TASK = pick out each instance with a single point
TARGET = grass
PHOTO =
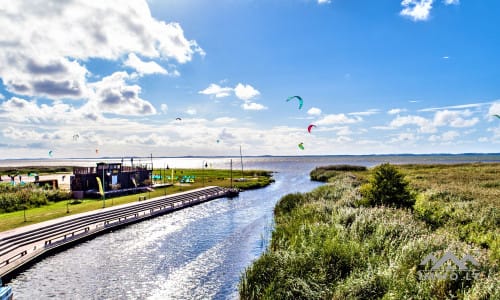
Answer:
(325, 245)
(35, 169)
(254, 179)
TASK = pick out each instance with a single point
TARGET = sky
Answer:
(201, 78)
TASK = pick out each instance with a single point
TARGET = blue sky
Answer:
(113, 78)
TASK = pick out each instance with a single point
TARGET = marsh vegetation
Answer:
(335, 242)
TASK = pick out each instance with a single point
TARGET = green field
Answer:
(328, 245)
(203, 177)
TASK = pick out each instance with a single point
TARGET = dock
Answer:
(21, 247)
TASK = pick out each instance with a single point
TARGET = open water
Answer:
(196, 253)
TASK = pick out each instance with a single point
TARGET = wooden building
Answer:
(117, 179)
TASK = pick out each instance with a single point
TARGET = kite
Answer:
(96, 151)
(76, 137)
(310, 127)
(50, 153)
(301, 146)
(298, 98)
(218, 141)
(498, 116)
(178, 119)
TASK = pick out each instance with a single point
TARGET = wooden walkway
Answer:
(21, 246)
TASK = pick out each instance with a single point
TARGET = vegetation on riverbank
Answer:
(41, 208)
(329, 244)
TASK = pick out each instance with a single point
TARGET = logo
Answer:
(449, 266)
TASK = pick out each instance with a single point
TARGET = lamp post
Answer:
(203, 170)
(112, 199)
(103, 189)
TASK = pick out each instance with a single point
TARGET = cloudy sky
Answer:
(196, 77)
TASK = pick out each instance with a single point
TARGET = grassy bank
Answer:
(51, 210)
(327, 245)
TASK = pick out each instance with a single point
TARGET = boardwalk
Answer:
(20, 246)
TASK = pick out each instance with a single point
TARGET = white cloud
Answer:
(449, 2)
(164, 108)
(191, 111)
(337, 119)
(425, 125)
(470, 105)
(454, 118)
(142, 67)
(24, 111)
(365, 113)
(225, 120)
(113, 95)
(217, 91)
(324, 1)
(2, 97)
(245, 92)
(404, 137)
(313, 111)
(494, 109)
(417, 10)
(44, 45)
(447, 136)
(253, 106)
(396, 111)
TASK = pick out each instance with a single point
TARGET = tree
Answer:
(387, 186)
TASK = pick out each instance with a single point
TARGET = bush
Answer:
(387, 186)
(323, 174)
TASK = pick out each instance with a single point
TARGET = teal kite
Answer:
(301, 146)
(50, 153)
(498, 116)
(301, 102)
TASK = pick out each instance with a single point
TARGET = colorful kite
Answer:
(301, 146)
(310, 127)
(301, 102)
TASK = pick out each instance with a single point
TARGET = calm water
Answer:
(196, 253)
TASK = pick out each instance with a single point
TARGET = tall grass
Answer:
(326, 246)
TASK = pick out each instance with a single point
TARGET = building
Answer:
(117, 179)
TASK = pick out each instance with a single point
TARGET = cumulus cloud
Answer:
(21, 110)
(454, 118)
(450, 2)
(164, 108)
(337, 119)
(447, 136)
(142, 67)
(494, 109)
(253, 106)
(191, 111)
(217, 91)
(425, 125)
(313, 111)
(404, 137)
(324, 1)
(42, 54)
(245, 92)
(396, 111)
(442, 118)
(417, 10)
(114, 95)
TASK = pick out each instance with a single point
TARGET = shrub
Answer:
(387, 186)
